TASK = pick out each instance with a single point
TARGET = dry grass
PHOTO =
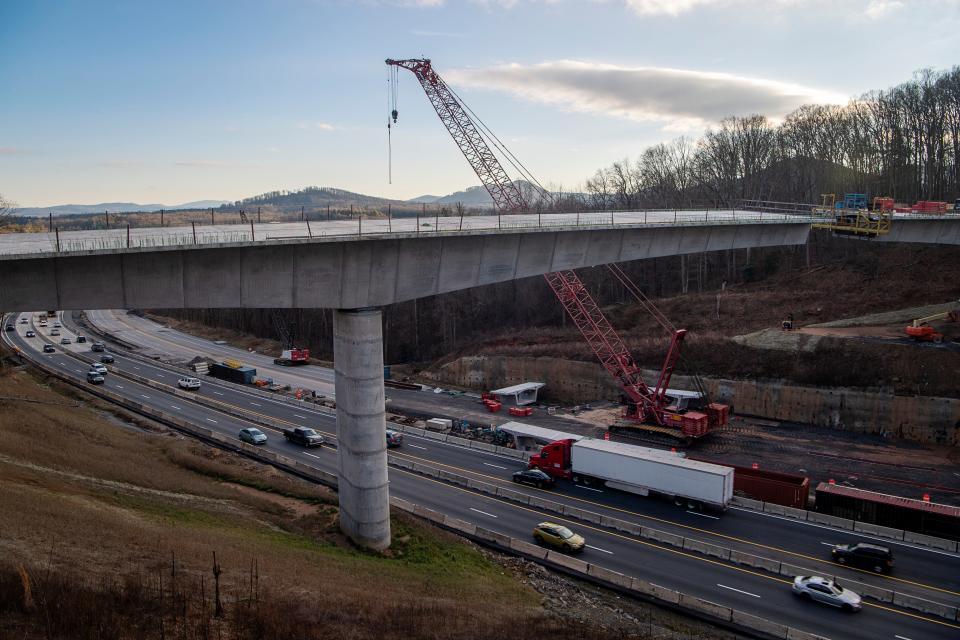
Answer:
(110, 532)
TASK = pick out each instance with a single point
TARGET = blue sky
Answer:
(167, 102)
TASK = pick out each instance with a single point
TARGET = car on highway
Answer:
(304, 436)
(81, 339)
(10, 327)
(57, 325)
(30, 334)
(43, 323)
(252, 435)
(48, 348)
(95, 378)
(867, 556)
(394, 438)
(54, 332)
(98, 346)
(106, 359)
(23, 321)
(189, 383)
(559, 537)
(65, 340)
(827, 591)
(536, 477)
(99, 368)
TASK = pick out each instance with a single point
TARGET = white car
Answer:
(188, 383)
(99, 368)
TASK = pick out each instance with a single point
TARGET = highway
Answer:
(924, 572)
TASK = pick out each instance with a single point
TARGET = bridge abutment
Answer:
(361, 427)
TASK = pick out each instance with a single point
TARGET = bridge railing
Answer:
(105, 240)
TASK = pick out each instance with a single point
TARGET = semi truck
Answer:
(638, 470)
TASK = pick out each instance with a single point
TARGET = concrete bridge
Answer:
(356, 267)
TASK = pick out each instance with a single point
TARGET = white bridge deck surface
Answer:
(153, 238)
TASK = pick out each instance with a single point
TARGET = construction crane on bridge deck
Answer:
(657, 410)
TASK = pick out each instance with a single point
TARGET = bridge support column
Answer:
(361, 426)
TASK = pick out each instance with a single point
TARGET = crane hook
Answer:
(394, 115)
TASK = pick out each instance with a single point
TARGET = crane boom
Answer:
(505, 193)
(643, 403)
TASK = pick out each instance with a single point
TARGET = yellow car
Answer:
(559, 537)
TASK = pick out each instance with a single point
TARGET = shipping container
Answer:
(919, 516)
(240, 375)
(775, 487)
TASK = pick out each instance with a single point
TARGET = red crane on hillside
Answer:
(655, 409)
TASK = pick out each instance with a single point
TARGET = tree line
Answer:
(902, 142)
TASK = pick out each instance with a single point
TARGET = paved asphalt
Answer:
(923, 572)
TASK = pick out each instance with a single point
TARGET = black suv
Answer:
(868, 556)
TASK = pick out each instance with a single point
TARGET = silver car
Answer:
(826, 591)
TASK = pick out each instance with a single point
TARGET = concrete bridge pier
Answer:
(361, 426)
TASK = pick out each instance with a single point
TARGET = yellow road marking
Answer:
(655, 546)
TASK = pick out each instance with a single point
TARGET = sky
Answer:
(174, 101)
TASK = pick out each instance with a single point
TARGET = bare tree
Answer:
(6, 210)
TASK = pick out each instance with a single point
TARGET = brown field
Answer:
(110, 529)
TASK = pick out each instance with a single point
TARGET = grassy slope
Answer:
(116, 529)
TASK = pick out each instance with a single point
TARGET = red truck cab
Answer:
(554, 459)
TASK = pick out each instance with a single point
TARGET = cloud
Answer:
(322, 126)
(12, 151)
(199, 163)
(120, 164)
(879, 8)
(680, 99)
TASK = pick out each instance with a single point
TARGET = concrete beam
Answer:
(336, 272)
(361, 426)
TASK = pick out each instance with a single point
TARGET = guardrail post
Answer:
(309, 232)
(50, 220)
(128, 236)
(57, 231)
(253, 236)
(161, 217)
(194, 226)
(258, 215)
(436, 221)
(106, 217)
(211, 216)
(359, 221)
(498, 221)
(578, 219)
(390, 218)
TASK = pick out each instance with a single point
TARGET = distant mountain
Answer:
(469, 197)
(424, 199)
(315, 198)
(113, 207)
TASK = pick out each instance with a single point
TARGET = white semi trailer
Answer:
(638, 470)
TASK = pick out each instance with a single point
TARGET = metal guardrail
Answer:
(145, 238)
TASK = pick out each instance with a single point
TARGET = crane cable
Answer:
(392, 92)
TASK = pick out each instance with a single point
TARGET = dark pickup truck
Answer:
(303, 436)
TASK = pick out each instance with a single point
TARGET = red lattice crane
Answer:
(643, 406)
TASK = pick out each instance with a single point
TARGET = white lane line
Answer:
(143, 396)
(902, 637)
(297, 415)
(136, 367)
(218, 393)
(590, 546)
(79, 370)
(119, 387)
(702, 515)
(829, 544)
(416, 446)
(311, 455)
(256, 405)
(495, 466)
(211, 420)
(886, 541)
(587, 488)
(483, 512)
(746, 593)
(173, 406)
